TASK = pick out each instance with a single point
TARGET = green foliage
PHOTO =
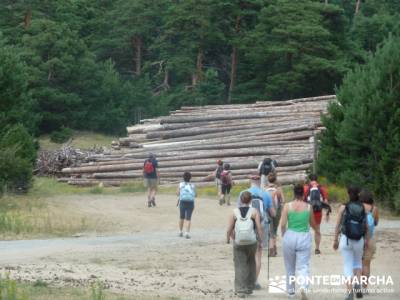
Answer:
(17, 156)
(100, 65)
(61, 136)
(16, 104)
(297, 51)
(96, 190)
(97, 290)
(132, 187)
(9, 291)
(361, 143)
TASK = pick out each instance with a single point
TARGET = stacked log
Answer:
(193, 138)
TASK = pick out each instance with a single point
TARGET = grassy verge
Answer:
(80, 139)
(11, 290)
(37, 214)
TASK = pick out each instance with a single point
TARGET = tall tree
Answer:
(296, 53)
(362, 140)
(16, 103)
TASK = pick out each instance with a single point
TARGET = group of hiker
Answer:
(261, 209)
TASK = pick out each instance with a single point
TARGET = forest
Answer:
(101, 65)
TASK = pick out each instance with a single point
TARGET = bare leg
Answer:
(221, 199)
(188, 223)
(366, 270)
(153, 195)
(272, 246)
(181, 224)
(317, 236)
(149, 196)
(228, 199)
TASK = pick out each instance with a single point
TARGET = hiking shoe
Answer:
(187, 235)
(153, 202)
(180, 234)
(221, 201)
(149, 204)
(257, 286)
(303, 294)
(357, 290)
(241, 295)
(291, 296)
(317, 252)
(349, 296)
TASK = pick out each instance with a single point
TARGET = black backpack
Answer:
(267, 166)
(315, 197)
(354, 219)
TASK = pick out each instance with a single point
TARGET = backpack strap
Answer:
(237, 213)
(249, 212)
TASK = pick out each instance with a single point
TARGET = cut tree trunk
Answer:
(138, 44)
(199, 68)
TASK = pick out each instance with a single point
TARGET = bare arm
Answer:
(272, 211)
(256, 217)
(367, 236)
(281, 196)
(231, 226)
(376, 216)
(337, 227)
(284, 219)
(178, 191)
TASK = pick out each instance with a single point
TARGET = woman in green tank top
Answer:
(295, 227)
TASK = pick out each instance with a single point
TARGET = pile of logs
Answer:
(51, 162)
(194, 138)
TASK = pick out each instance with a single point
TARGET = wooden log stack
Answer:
(194, 138)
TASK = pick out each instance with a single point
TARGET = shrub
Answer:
(17, 156)
(61, 136)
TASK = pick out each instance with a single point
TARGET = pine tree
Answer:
(295, 50)
(362, 140)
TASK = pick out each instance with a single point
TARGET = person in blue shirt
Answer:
(267, 210)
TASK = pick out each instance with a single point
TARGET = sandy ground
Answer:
(137, 252)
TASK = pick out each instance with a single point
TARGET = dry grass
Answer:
(11, 290)
(80, 139)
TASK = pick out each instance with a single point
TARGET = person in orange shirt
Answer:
(317, 195)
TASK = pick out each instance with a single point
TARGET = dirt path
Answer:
(138, 252)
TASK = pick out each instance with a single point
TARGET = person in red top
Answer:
(317, 196)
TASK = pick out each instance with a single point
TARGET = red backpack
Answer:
(148, 167)
(225, 180)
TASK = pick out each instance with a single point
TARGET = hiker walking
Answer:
(217, 175)
(266, 167)
(226, 185)
(262, 202)
(244, 229)
(186, 194)
(297, 217)
(316, 195)
(372, 219)
(352, 226)
(276, 193)
(151, 179)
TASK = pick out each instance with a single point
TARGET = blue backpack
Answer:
(186, 192)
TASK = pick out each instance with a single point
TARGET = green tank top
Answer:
(299, 221)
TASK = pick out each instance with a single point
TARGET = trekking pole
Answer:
(268, 251)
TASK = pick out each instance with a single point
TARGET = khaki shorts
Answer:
(370, 251)
(151, 182)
